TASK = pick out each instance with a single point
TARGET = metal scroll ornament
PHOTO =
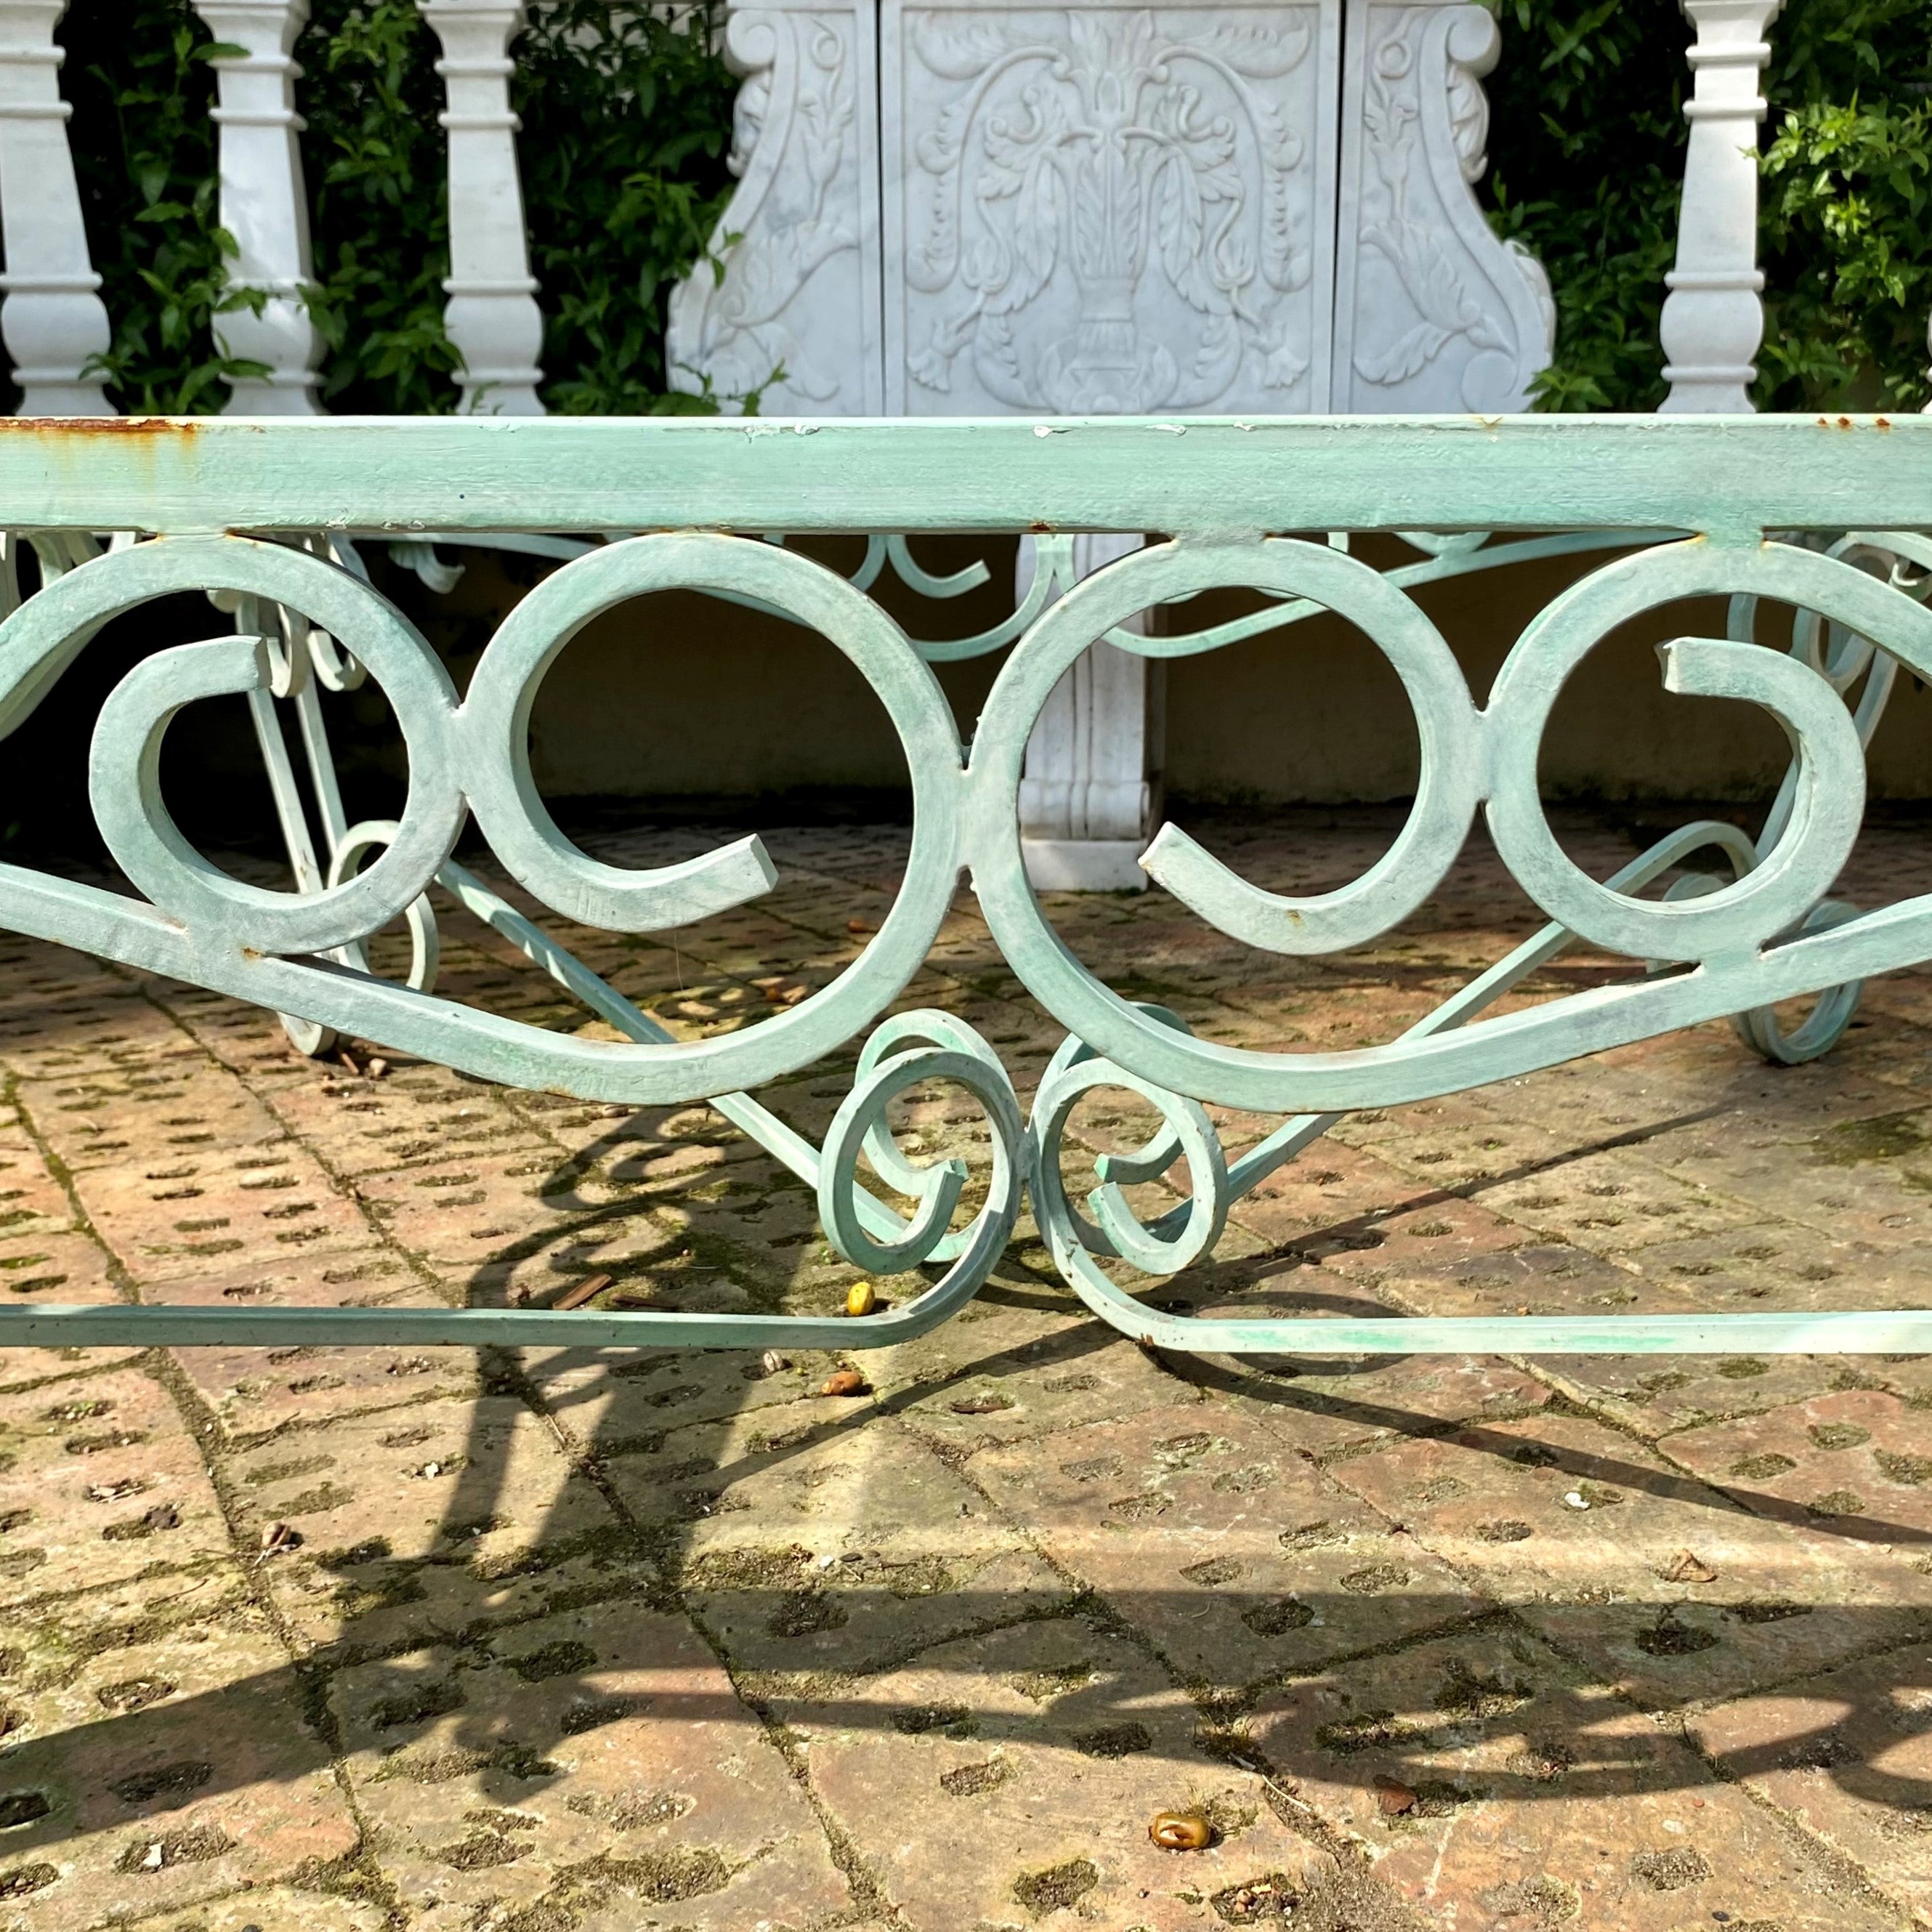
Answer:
(1741, 924)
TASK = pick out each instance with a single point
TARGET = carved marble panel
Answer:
(1433, 312)
(791, 310)
(1108, 208)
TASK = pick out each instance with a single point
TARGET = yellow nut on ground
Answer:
(1181, 1831)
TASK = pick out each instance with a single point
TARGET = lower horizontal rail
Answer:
(1863, 1332)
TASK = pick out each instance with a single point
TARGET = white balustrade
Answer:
(492, 315)
(53, 321)
(1713, 318)
(264, 206)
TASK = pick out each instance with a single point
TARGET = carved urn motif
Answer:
(1111, 213)
(983, 208)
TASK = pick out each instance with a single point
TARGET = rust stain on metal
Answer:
(151, 429)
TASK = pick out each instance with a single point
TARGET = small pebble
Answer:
(1395, 1797)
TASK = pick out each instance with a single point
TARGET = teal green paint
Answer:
(1680, 505)
(408, 477)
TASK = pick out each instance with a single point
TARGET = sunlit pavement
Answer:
(344, 1639)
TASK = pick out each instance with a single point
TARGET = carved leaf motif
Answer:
(1036, 239)
(1107, 213)
(930, 370)
(1177, 116)
(1429, 278)
(1285, 267)
(1261, 53)
(997, 362)
(1215, 362)
(957, 47)
(796, 209)
(1178, 220)
(1005, 149)
(1281, 368)
(1010, 150)
(1111, 58)
(1469, 121)
(932, 366)
(824, 118)
(1408, 355)
(1088, 35)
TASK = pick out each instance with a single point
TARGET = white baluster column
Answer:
(53, 321)
(1713, 319)
(1086, 794)
(264, 205)
(492, 317)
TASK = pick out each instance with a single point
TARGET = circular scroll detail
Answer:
(123, 763)
(1829, 800)
(1185, 1130)
(371, 834)
(503, 795)
(860, 1123)
(1448, 725)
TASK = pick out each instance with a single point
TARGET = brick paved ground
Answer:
(576, 1642)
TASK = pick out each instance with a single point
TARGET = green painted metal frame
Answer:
(1828, 517)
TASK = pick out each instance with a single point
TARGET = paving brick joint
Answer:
(378, 1640)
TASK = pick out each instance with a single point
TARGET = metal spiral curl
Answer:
(908, 1049)
(1179, 1237)
(1841, 656)
(419, 915)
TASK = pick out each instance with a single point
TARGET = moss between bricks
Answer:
(1057, 1888)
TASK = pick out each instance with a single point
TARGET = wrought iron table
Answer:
(1827, 518)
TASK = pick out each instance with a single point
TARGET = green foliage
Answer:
(141, 87)
(375, 159)
(626, 120)
(626, 123)
(1586, 160)
(1846, 248)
